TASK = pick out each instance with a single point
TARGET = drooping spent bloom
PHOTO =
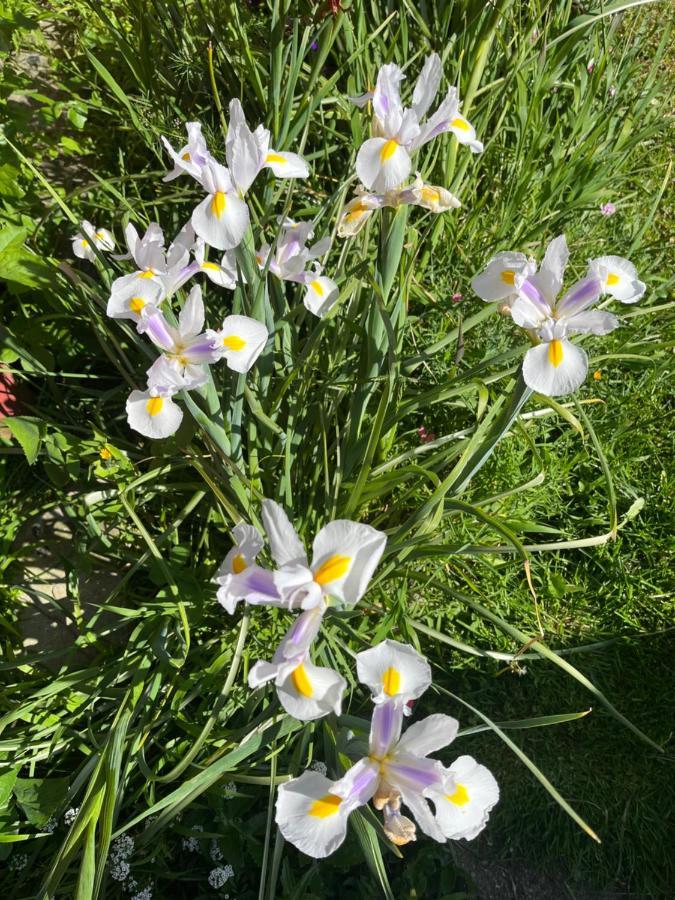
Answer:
(608, 209)
(345, 555)
(90, 237)
(556, 366)
(222, 218)
(384, 161)
(290, 262)
(356, 213)
(312, 811)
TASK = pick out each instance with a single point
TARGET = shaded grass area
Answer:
(619, 596)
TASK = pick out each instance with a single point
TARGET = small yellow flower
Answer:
(597, 375)
(104, 453)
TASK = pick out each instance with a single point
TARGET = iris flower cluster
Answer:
(398, 771)
(447, 803)
(312, 810)
(344, 558)
(220, 221)
(385, 161)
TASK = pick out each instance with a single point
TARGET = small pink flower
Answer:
(608, 209)
(612, 92)
(590, 66)
(534, 36)
(456, 297)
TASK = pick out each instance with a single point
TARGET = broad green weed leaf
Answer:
(28, 432)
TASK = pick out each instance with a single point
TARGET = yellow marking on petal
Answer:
(185, 157)
(275, 158)
(462, 124)
(555, 353)
(84, 243)
(613, 279)
(391, 682)
(429, 195)
(104, 453)
(316, 286)
(100, 235)
(301, 681)
(234, 342)
(388, 150)
(154, 406)
(325, 807)
(136, 304)
(218, 204)
(460, 797)
(334, 567)
(356, 212)
(213, 267)
(238, 564)
(508, 276)
(147, 274)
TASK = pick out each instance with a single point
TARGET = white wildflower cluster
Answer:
(118, 859)
(70, 815)
(229, 790)
(145, 894)
(18, 861)
(50, 825)
(119, 869)
(215, 852)
(123, 846)
(220, 875)
(191, 843)
(318, 766)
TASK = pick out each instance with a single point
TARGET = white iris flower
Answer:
(153, 412)
(384, 161)
(90, 237)
(186, 350)
(222, 218)
(556, 366)
(290, 262)
(159, 272)
(312, 811)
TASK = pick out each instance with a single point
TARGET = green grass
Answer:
(159, 706)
